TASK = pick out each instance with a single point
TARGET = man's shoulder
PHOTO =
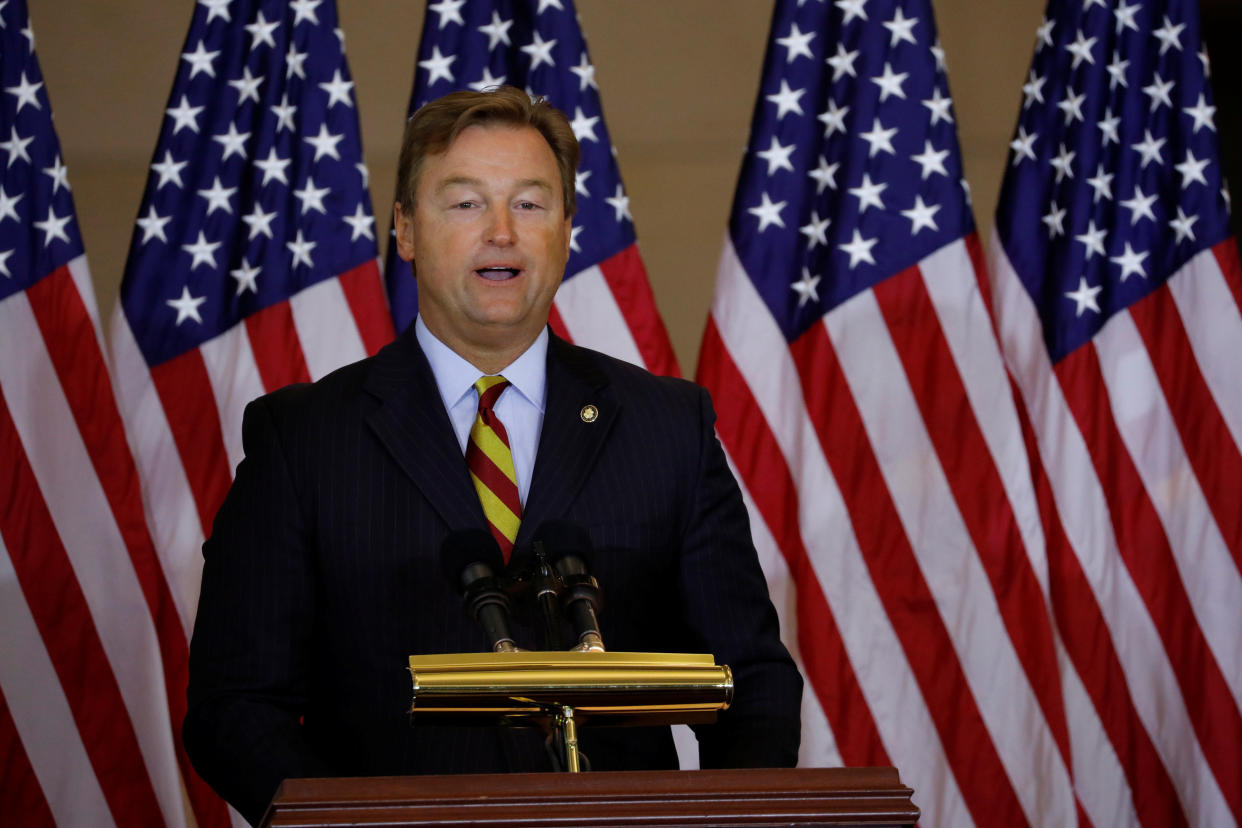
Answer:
(596, 366)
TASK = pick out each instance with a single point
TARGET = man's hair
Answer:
(436, 124)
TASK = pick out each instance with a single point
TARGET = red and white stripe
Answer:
(882, 456)
(93, 669)
(1135, 439)
(609, 307)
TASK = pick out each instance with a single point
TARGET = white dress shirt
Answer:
(520, 407)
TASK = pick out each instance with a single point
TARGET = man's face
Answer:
(490, 238)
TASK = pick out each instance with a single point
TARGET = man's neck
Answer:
(489, 358)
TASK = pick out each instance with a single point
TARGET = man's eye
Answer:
(464, 205)
(527, 205)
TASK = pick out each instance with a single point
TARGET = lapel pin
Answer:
(589, 413)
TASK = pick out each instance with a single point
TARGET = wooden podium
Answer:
(767, 797)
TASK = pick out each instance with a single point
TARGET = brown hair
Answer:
(436, 124)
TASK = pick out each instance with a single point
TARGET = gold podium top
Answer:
(606, 688)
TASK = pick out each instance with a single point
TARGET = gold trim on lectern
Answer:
(605, 688)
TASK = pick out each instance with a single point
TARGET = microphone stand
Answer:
(547, 594)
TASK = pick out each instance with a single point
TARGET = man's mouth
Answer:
(497, 274)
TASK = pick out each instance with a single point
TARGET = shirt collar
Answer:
(455, 376)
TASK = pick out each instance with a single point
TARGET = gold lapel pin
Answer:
(589, 413)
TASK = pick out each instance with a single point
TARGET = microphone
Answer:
(568, 548)
(471, 558)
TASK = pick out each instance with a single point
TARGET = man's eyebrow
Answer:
(467, 181)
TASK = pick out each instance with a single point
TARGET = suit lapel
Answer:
(414, 427)
(569, 442)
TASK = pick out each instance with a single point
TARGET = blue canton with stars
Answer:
(853, 172)
(38, 231)
(257, 187)
(537, 45)
(1114, 179)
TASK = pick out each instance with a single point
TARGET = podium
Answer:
(760, 797)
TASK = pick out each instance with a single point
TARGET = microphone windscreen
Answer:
(465, 547)
(561, 538)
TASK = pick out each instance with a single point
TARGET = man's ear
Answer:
(403, 223)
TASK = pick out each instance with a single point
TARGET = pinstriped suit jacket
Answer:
(322, 575)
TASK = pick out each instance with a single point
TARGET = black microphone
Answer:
(471, 559)
(568, 548)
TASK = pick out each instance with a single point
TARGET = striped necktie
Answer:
(491, 466)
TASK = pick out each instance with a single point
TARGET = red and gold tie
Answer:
(491, 466)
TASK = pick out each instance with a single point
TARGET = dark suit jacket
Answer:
(322, 575)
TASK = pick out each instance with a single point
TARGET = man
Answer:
(322, 575)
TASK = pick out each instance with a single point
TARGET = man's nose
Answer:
(501, 230)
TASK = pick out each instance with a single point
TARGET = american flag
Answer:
(605, 301)
(865, 406)
(253, 264)
(1117, 294)
(87, 715)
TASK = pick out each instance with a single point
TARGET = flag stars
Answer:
(544, 5)
(584, 127)
(1043, 35)
(295, 63)
(361, 224)
(540, 52)
(868, 194)
(261, 31)
(806, 288)
(1170, 36)
(273, 167)
(305, 10)
(26, 92)
(824, 175)
(488, 81)
(438, 66)
(1072, 106)
(217, 8)
(16, 147)
(1183, 225)
(1081, 49)
(580, 180)
(59, 174)
(797, 44)
(247, 277)
(585, 72)
(186, 306)
(448, 11)
(340, 91)
(1093, 240)
(497, 31)
(284, 112)
(311, 198)
(842, 62)
(1117, 72)
(53, 227)
(247, 86)
(1159, 91)
(621, 204)
(777, 156)
(1202, 114)
(859, 249)
(939, 106)
(833, 118)
(1033, 90)
(300, 249)
(1101, 184)
(768, 213)
(202, 251)
(8, 205)
(574, 232)
(1139, 206)
(816, 231)
(1125, 16)
(1054, 219)
(234, 142)
(1191, 169)
(217, 196)
(1023, 146)
(890, 83)
(1131, 263)
(169, 170)
(931, 160)
(787, 100)
(921, 216)
(938, 54)
(325, 143)
(879, 139)
(200, 60)
(4, 262)
(901, 29)
(1063, 163)
(259, 222)
(1084, 297)
(184, 116)
(1108, 128)
(852, 9)
(1149, 148)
